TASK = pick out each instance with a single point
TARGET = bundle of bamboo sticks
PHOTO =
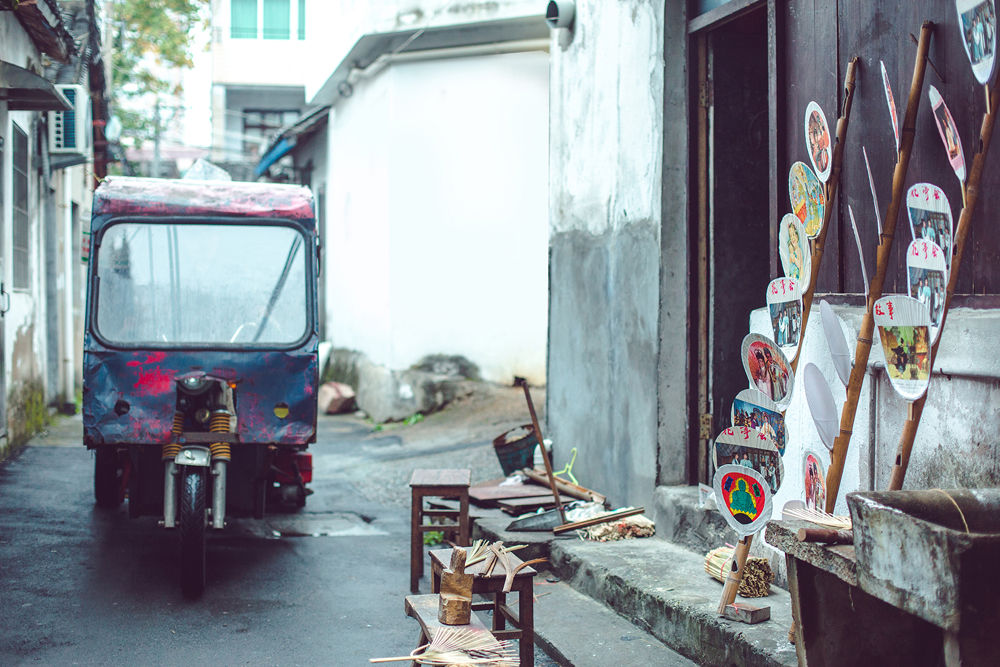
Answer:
(757, 574)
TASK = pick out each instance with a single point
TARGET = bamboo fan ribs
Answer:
(820, 518)
(461, 646)
(480, 550)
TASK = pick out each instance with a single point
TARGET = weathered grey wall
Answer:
(958, 442)
(675, 283)
(606, 174)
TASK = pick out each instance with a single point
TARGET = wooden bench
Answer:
(424, 608)
(492, 587)
(445, 483)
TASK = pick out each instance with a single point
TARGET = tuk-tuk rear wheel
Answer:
(108, 492)
(191, 527)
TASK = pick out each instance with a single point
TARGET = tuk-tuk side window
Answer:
(190, 284)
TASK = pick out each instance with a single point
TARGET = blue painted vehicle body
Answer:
(129, 386)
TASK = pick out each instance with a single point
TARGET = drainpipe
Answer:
(874, 371)
(49, 241)
(69, 289)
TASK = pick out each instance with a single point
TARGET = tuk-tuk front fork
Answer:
(217, 455)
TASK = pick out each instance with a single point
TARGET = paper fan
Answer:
(904, 330)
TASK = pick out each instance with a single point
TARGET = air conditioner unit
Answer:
(69, 131)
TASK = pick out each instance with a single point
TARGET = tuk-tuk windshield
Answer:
(189, 283)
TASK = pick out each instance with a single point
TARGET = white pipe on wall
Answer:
(496, 48)
(69, 287)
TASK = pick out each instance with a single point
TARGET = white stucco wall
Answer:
(37, 328)
(23, 337)
(437, 210)
(357, 212)
(353, 18)
(607, 119)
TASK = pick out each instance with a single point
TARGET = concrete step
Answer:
(663, 589)
(682, 520)
(574, 629)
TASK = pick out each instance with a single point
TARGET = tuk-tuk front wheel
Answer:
(108, 490)
(191, 527)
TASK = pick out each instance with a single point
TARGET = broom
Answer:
(461, 646)
(757, 574)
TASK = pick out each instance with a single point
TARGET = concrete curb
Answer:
(663, 589)
(577, 630)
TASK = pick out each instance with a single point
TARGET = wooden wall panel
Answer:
(818, 37)
(808, 36)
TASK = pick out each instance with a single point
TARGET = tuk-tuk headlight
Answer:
(194, 384)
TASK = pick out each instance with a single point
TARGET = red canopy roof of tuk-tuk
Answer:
(123, 195)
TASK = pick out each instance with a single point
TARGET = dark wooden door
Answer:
(734, 211)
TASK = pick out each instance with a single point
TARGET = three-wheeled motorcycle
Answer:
(200, 361)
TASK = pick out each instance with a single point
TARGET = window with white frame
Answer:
(277, 19)
(267, 19)
(243, 19)
(260, 126)
(21, 228)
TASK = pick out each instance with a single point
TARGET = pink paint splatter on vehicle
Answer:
(153, 382)
(151, 358)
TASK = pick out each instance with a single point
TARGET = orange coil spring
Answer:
(173, 448)
(220, 424)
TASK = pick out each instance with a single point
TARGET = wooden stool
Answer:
(436, 484)
(492, 586)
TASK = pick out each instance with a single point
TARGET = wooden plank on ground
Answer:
(488, 496)
(517, 506)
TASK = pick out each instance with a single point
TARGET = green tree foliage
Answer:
(150, 38)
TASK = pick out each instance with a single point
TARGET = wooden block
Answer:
(455, 604)
(459, 585)
(457, 563)
(746, 613)
(454, 610)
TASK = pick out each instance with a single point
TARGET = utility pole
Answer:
(156, 139)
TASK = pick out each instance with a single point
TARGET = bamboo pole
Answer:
(831, 192)
(541, 446)
(735, 573)
(883, 258)
(916, 408)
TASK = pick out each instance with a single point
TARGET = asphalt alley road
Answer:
(80, 585)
